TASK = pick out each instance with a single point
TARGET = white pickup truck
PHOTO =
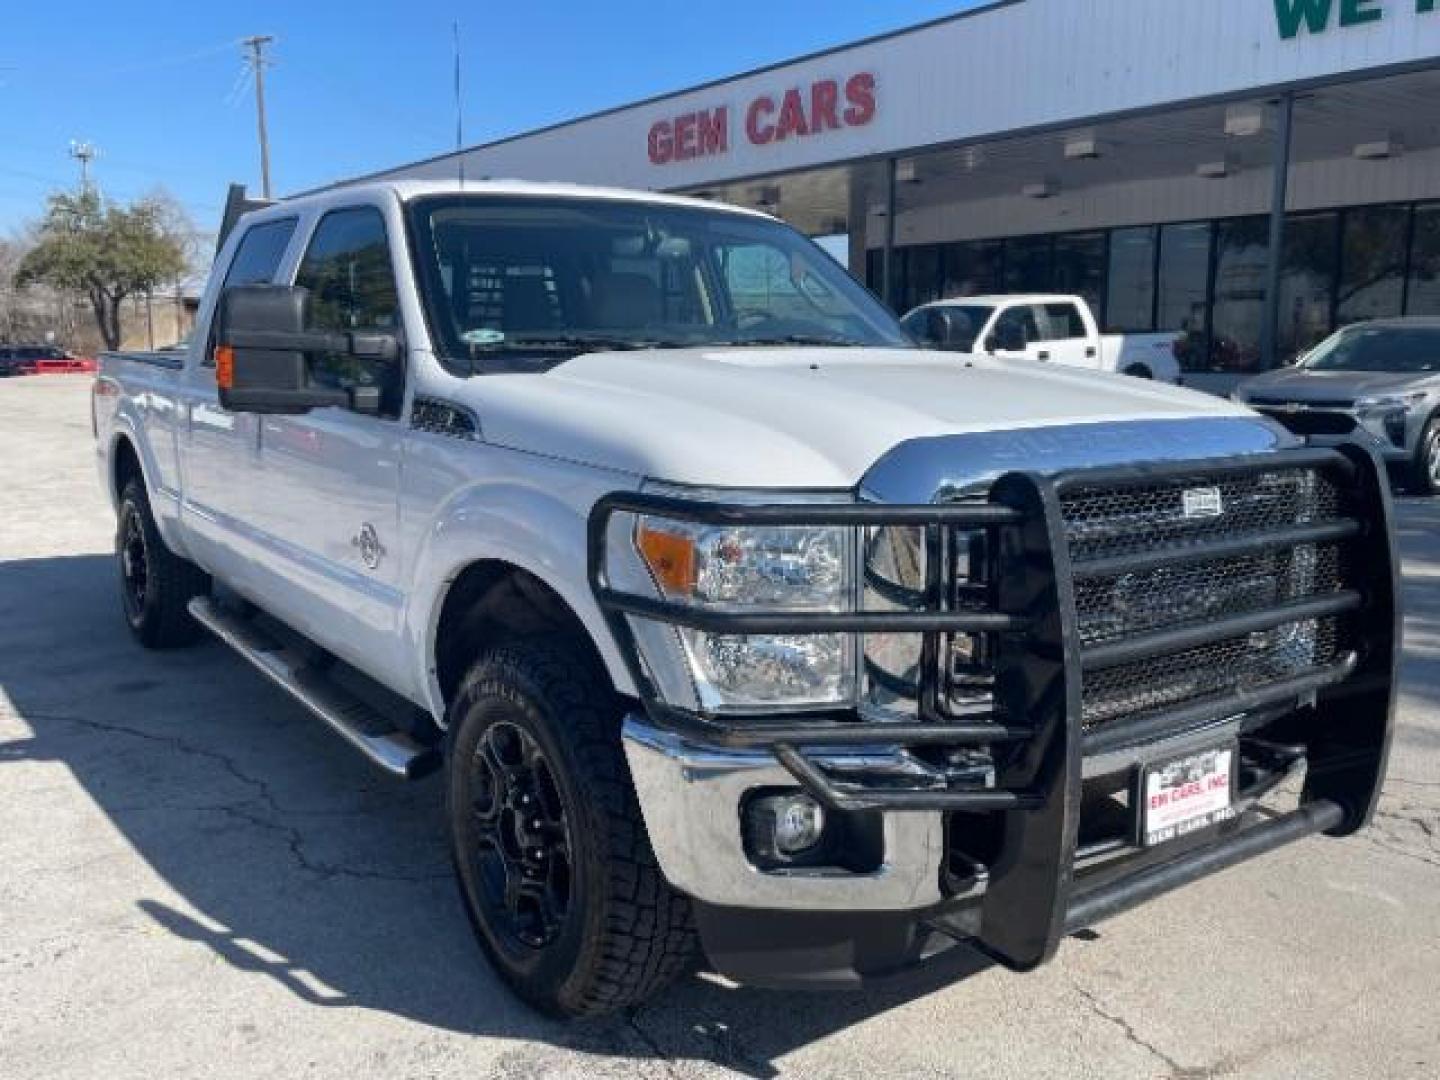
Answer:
(732, 618)
(1046, 328)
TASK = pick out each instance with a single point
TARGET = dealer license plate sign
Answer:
(1187, 794)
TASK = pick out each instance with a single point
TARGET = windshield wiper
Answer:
(796, 339)
(569, 343)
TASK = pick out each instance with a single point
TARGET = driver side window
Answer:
(351, 279)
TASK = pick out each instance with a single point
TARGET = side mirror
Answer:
(262, 359)
(1007, 337)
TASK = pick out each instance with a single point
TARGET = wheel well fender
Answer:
(505, 558)
(491, 601)
(125, 465)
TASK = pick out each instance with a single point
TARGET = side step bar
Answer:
(362, 726)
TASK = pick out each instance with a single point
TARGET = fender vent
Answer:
(439, 417)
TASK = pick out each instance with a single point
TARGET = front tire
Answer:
(156, 585)
(554, 864)
(1425, 472)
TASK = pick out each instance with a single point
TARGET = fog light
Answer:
(784, 827)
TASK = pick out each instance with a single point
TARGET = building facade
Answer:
(1250, 172)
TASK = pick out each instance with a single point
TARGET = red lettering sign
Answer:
(801, 112)
(690, 135)
(860, 93)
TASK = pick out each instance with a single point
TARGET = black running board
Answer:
(358, 723)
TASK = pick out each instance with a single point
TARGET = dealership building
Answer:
(1251, 172)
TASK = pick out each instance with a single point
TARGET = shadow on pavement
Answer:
(288, 858)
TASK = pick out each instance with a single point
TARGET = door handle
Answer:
(1090, 352)
(1044, 355)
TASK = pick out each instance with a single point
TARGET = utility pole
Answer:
(257, 61)
(84, 153)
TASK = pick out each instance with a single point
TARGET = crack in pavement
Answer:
(294, 839)
(1177, 1071)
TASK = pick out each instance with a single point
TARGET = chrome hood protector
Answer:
(949, 467)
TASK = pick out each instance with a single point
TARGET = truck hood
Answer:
(794, 417)
(1302, 385)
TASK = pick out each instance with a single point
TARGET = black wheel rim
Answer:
(520, 839)
(134, 563)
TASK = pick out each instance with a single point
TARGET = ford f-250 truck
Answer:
(1045, 328)
(734, 619)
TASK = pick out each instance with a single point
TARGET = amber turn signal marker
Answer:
(670, 556)
(224, 367)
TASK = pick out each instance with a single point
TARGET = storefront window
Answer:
(922, 276)
(1079, 267)
(1184, 276)
(1029, 267)
(1130, 292)
(1425, 263)
(1307, 282)
(1372, 267)
(971, 269)
(1242, 251)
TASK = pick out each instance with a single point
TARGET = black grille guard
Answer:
(1039, 666)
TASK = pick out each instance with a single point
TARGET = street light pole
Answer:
(256, 45)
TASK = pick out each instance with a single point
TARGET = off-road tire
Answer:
(626, 933)
(156, 613)
(1425, 471)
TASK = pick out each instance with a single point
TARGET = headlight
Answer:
(1386, 402)
(772, 569)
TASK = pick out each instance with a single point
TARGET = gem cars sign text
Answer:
(798, 113)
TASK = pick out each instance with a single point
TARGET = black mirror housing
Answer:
(1006, 339)
(262, 362)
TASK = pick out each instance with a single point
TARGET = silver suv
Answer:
(1375, 381)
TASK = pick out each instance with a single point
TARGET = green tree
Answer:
(106, 252)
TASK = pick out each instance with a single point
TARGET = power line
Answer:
(256, 45)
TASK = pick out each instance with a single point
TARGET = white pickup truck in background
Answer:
(1056, 329)
(734, 619)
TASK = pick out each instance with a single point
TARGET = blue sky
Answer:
(160, 88)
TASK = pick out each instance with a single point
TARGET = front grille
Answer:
(1127, 520)
(1313, 423)
(1114, 531)
(1114, 606)
(1244, 663)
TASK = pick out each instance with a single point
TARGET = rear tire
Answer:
(554, 864)
(156, 585)
(1425, 472)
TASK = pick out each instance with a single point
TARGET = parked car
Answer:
(1378, 382)
(35, 359)
(1053, 329)
(734, 619)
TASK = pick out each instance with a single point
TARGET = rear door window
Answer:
(1060, 322)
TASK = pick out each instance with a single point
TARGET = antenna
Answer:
(459, 107)
(84, 153)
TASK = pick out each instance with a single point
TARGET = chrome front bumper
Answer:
(691, 796)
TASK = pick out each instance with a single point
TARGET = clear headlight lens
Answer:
(1384, 402)
(789, 568)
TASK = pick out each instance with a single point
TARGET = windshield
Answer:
(1378, 348)
(521, 283)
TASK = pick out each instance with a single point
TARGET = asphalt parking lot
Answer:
(197, 880)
